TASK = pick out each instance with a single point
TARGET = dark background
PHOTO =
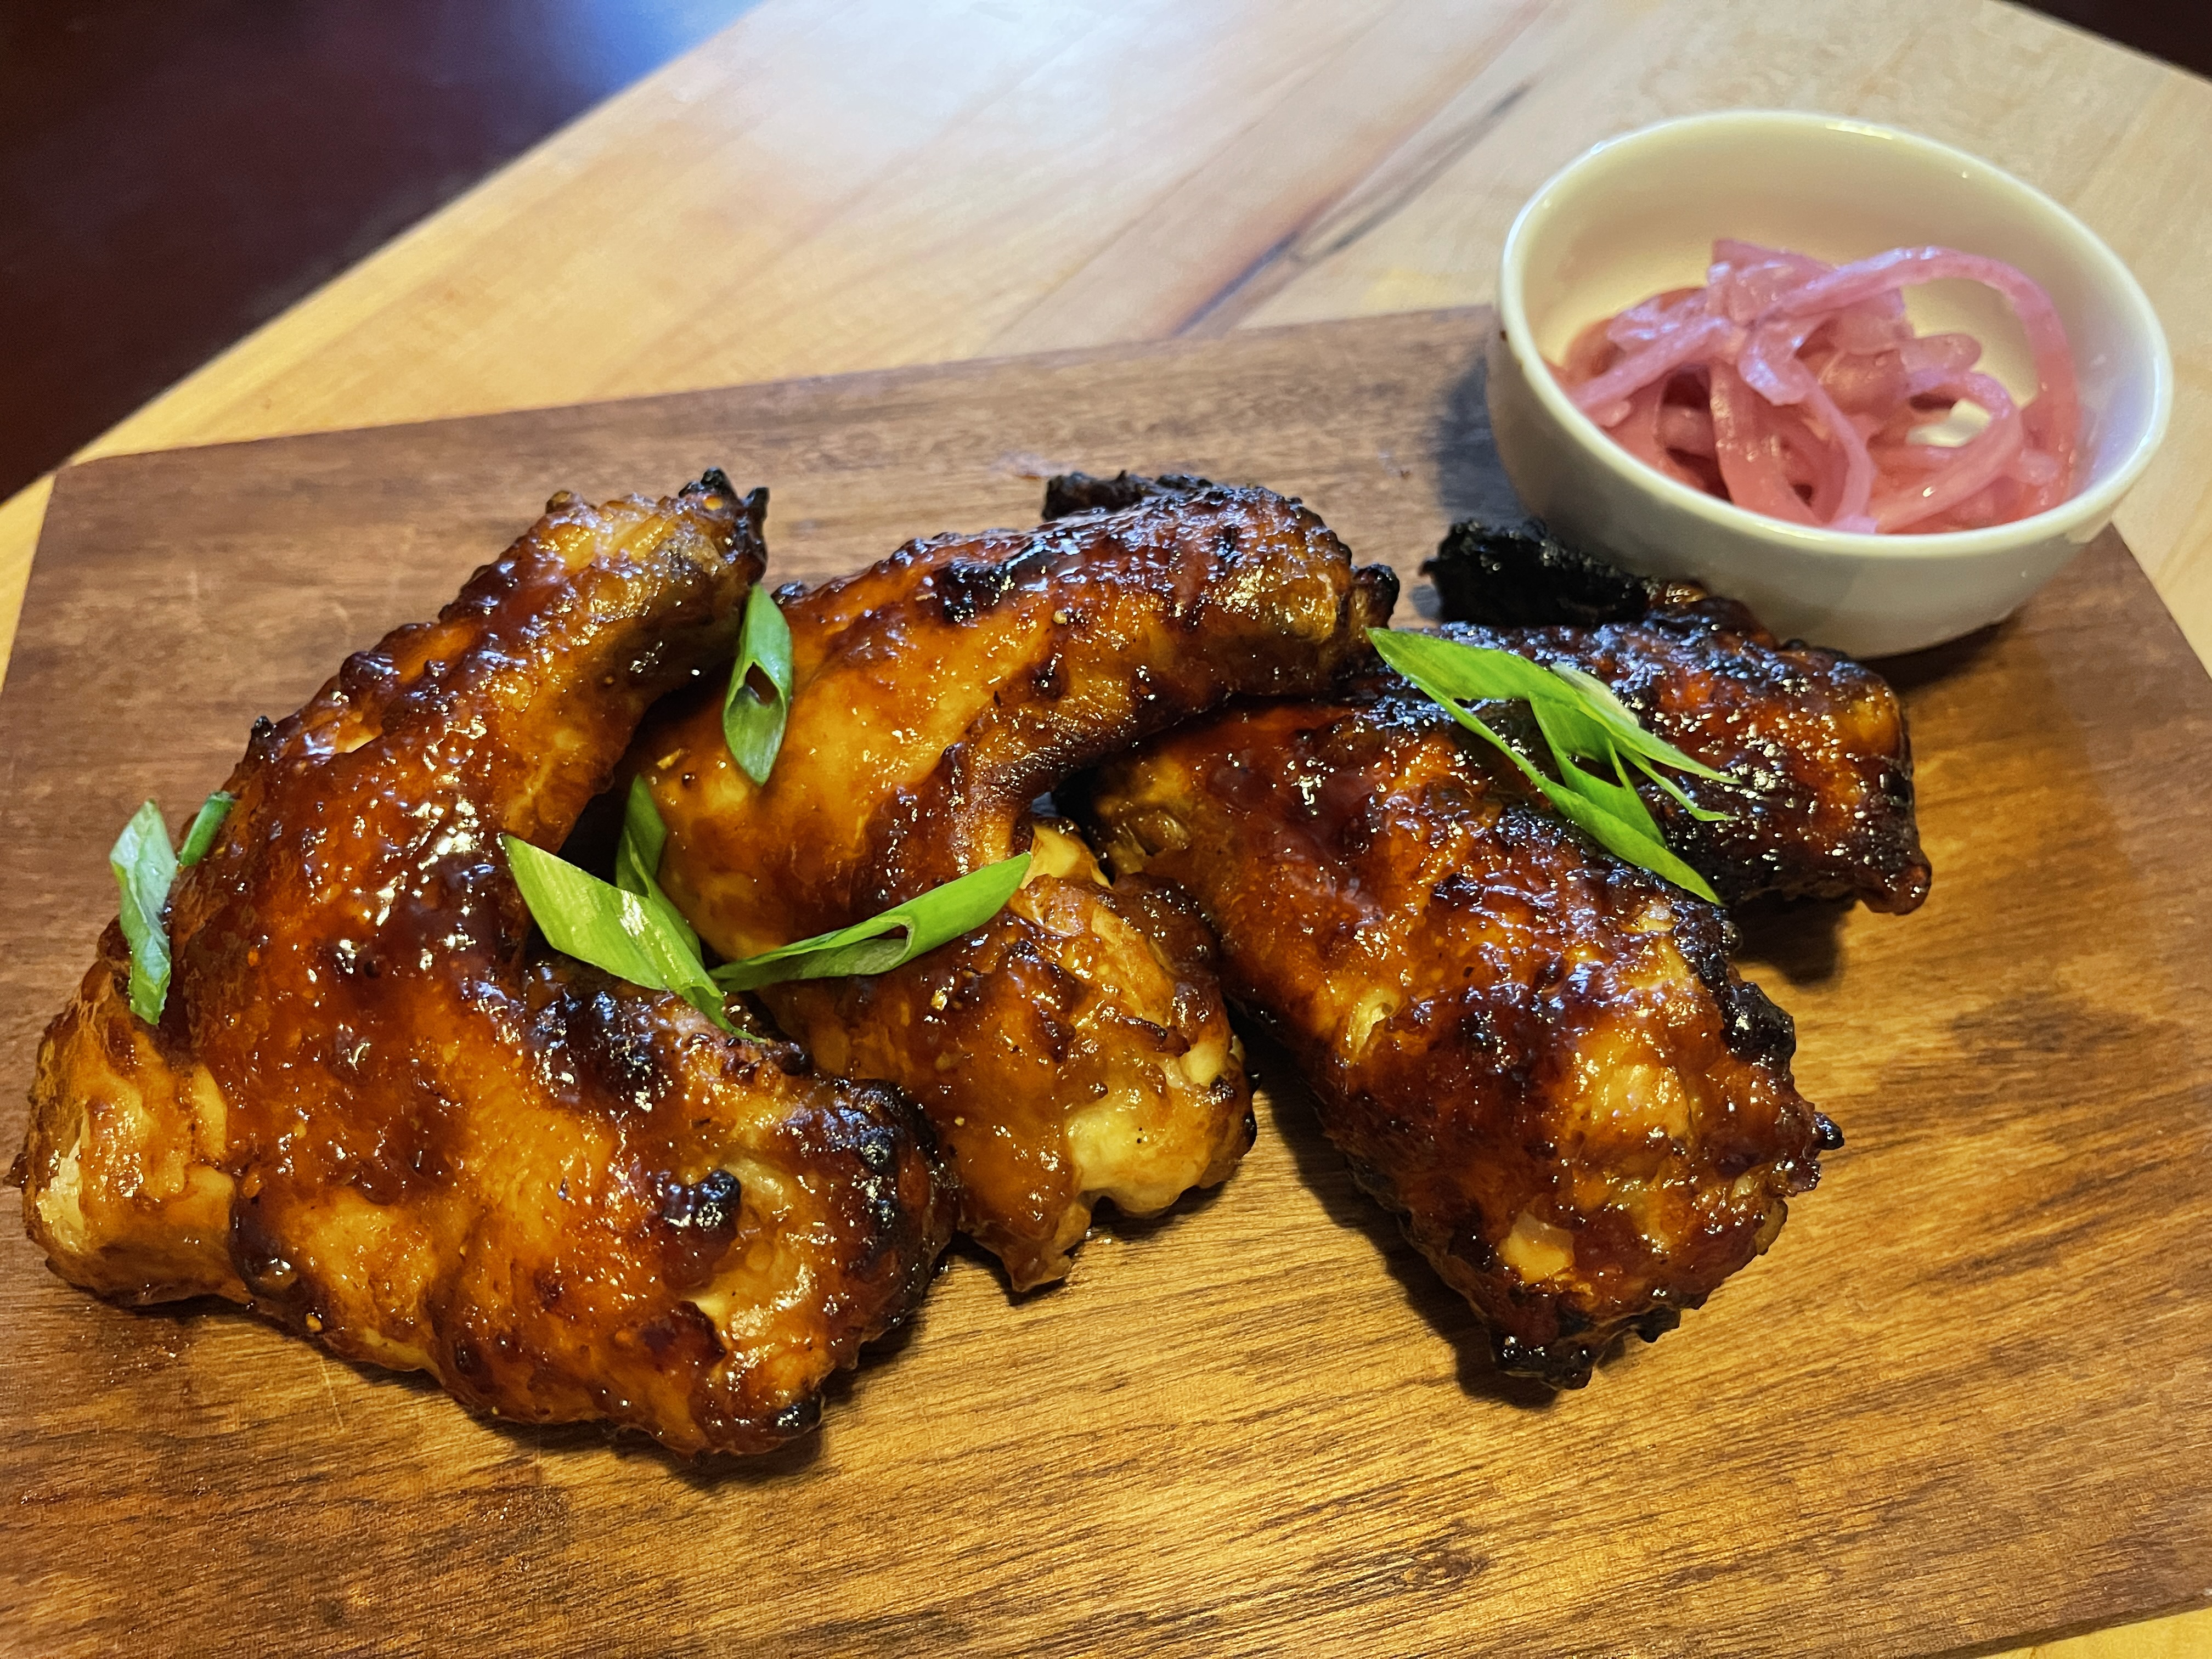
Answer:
(174, 172)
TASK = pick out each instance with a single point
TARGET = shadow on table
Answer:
(1297, 1120)
(1471, 482)
(705, 1473)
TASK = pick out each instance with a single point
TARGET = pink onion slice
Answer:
(1850, 511)
(1687, 428)
(1652, 319)
(1638, 433)
(1707, 337)
(2054, 419)
(1749, 451)
(1796, 388)
(1811, 462)
(1589, 355)
(1973, 464)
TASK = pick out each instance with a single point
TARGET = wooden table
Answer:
(853, 184)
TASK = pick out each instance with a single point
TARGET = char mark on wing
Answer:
(1818, 799)
(1523, 576)
(967, 589)
(1073, 493)
(1754, 1027)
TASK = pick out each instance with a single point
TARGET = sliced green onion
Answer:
(631, 929)
(617, 931)
(637, 860)
(1467, 673)
(199, 840)
(752, 725)
(1619, 719)
(958, 907)
(145, 868)
(1581, 720)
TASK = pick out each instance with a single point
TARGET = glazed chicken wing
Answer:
(371, 1113)
(1077, 1046)
(1537, 1054)
(1819, 801)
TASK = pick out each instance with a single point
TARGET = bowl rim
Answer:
(2094, 504)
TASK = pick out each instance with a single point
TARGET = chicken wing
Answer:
(1075, 1047)
(370, 1112)
(1537, 1054)
(1819, 801)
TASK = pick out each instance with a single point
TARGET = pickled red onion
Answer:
(1750, 451)
(1967, 470)
(1706, 337)
(1799, 390)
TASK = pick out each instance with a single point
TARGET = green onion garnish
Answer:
(752, 725)
(1581, 720)
(145, 869)
(633, 932)
(960, 906)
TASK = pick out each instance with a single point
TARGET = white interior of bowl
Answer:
(1640, 213)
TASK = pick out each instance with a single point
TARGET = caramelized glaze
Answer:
(1538, 1055)
(1819, 804)
(1077, 1047)
(373, 1114)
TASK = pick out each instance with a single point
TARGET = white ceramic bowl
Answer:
(1639, 213)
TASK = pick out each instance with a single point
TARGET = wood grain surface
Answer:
(1953, 1409)
(837, 184)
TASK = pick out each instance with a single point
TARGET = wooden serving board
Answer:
(1961, 1404)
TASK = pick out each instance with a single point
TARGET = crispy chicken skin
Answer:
(1077, 1047)
(1538, 1055)
(1821, 806)
(371, 1113)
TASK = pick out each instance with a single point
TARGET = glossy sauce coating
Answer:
(373, 1114)
(1819, 803)
(1819, 800)
(1538, 1055)
(1077, 1047)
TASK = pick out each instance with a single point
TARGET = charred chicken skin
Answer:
(1538, 1055)
(373, 1114)
(1077, 1047)
(1819, 802)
